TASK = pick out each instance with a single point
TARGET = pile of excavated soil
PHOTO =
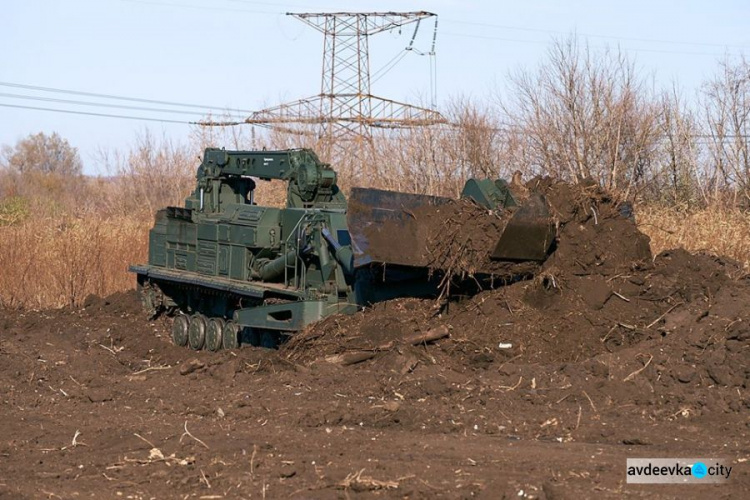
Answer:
(599, 259)
(597, 235)
(542, 388)
(456, 238)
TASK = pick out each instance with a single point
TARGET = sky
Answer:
(247, 55)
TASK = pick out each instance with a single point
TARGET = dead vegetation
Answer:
(55, 262)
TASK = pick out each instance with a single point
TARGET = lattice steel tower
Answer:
(345, 109)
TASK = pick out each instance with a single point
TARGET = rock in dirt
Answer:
(191, 366)
(99, 395)
(685, 374)
(596, 294)
(391, 406)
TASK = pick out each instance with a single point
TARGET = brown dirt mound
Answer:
(595, 236)
(596, 233)
(599, 260)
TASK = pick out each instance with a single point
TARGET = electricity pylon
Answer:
(345, 110)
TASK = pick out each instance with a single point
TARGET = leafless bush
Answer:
(151, 175)
(678, 179)
(42, 153)
(726, 108)
(584, 114)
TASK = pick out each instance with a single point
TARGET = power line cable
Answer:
(386, 68)
(125, 117)
(433, 66)
(200, 7)
(105, 105)
(473, 23)
(510, 129)
(542, 42)
(116, 97)
(592, 35)
(90, 113)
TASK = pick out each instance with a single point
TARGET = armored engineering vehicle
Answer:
(230, 271)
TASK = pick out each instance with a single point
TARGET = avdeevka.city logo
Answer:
(699, 470)
(678, 470)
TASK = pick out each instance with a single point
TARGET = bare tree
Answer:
(154, 173)
(48, 154)
(44, 173)
(678, 177)
(726, 107)
(584, 114)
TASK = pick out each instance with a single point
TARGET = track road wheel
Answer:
(180, 327)
(197, 332)
(214, 333)
(230, 335)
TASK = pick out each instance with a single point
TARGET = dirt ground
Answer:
(541, 389)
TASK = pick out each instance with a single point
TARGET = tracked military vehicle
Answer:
(230, 271)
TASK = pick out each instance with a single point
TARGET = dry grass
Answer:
(52, 263)
(720, 231)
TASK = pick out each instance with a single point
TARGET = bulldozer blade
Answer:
(369, 210)
(528, 234)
